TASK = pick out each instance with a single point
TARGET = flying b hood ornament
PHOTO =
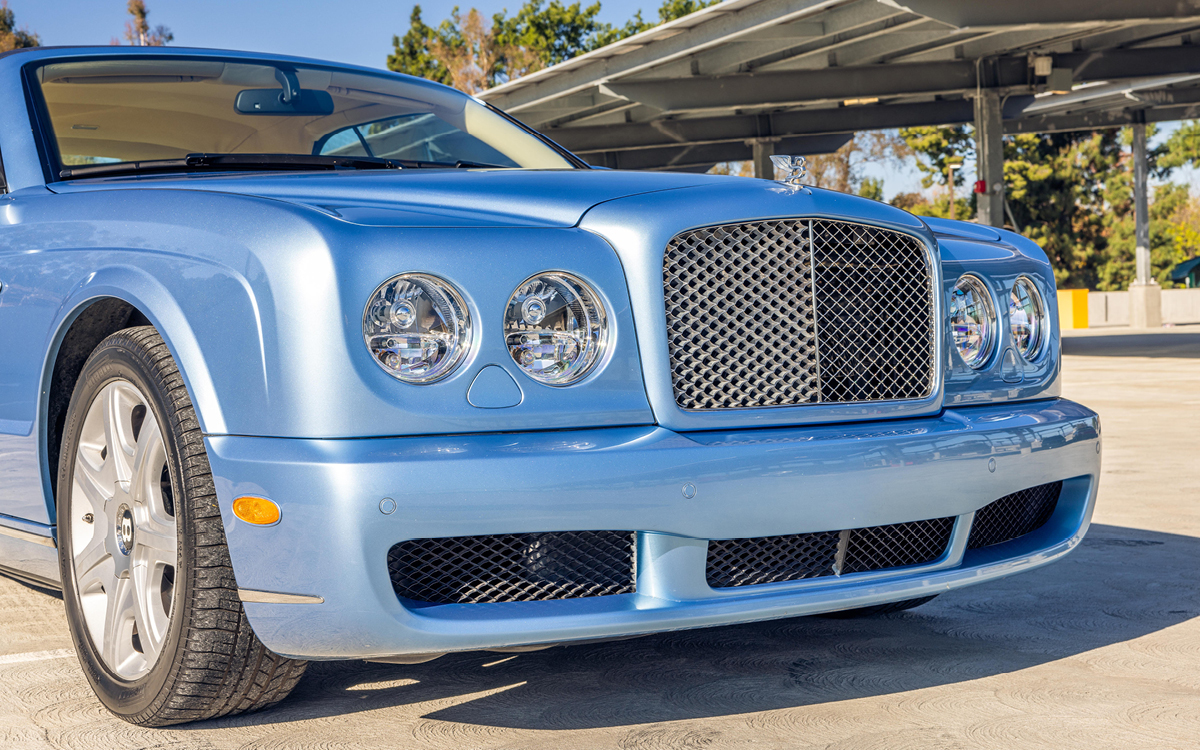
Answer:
(795, 168)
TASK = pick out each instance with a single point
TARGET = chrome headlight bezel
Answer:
(582, 306)
(445, 319)
(1036, 317)
(985, 327)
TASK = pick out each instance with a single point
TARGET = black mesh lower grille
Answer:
(897, 545)
(1014, 515)
(772, 559)
(513, 567)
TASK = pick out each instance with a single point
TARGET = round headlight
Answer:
(555, 327)
(973, 320)
(417, 327)
(1027, 318)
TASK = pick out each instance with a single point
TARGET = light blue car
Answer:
(303, 361)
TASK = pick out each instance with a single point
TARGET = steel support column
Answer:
(763, 149)
(1141, 202)
(989, 158)
(1145, 296)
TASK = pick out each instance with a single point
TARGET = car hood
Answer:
(425, 198)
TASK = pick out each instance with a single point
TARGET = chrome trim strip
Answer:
(25, 531)
(271, 597)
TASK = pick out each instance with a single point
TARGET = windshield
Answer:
(130, 114)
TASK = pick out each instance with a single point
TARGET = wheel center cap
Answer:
(125, 529)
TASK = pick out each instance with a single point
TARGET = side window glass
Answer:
(343, 143)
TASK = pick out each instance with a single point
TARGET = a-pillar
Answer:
(1145, 295)
(989, 158)
(762, 149)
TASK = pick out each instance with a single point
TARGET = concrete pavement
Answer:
(1100, 650)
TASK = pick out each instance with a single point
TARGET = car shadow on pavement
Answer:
(1170, 345)
(1121, 584)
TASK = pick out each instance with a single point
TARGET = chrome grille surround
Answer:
(798, 311)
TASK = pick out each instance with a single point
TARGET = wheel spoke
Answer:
(151, 618)
(94, 566)
(118, 433)
(148, 461)
(118, 645)
(92, 482)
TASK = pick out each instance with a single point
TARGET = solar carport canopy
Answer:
(746, 78)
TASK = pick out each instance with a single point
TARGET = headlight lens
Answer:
(417, 327)
(973, 320)
(1027, 318)
(555, 327)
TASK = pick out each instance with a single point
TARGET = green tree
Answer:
(10, 36)
(1173, 236)
(138, 31)
(465, 52)
(610, 34)
(672, 9)
(934, 146)
(1056, 186)
(412, 53)
(553, 32)
(1181, 149)
(871, 187)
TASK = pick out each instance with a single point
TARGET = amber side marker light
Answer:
(256, 510)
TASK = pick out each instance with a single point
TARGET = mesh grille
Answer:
(748, 562)
(513, 567)
(784, 313)
(897, 545)
(1014, 515)
(770, 559)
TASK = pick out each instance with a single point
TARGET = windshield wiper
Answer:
(220, 162)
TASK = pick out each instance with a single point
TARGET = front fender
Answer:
(173, 313)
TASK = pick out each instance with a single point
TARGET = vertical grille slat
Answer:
(513, 567)
(795, 557)
(796, 312)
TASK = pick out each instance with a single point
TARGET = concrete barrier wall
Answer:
(1108, 309)
(1181, 305)
(1112, 308)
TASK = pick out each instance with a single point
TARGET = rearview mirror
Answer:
(270, 102)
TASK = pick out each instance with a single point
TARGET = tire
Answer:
(148, 585)
(879, 609)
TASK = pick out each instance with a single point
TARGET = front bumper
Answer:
(333, 539)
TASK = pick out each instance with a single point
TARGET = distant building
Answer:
(1186, 272)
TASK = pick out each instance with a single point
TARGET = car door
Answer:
(21, 489)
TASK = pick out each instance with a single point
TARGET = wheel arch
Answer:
(115, 299)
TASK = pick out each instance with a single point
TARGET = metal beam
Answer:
(742, 127)
(1099, 120)
(705, 29)
(682, 157)
(790, 88)
(761, 150)
(979, 14)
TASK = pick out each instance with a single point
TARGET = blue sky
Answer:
(349, 31)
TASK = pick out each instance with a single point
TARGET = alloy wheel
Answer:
(124, 536)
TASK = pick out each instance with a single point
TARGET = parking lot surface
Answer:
(1100, 650)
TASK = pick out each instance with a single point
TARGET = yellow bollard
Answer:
(1073, 308)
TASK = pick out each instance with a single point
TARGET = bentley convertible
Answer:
(305, 361)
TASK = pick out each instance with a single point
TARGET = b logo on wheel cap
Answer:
(125, 529)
